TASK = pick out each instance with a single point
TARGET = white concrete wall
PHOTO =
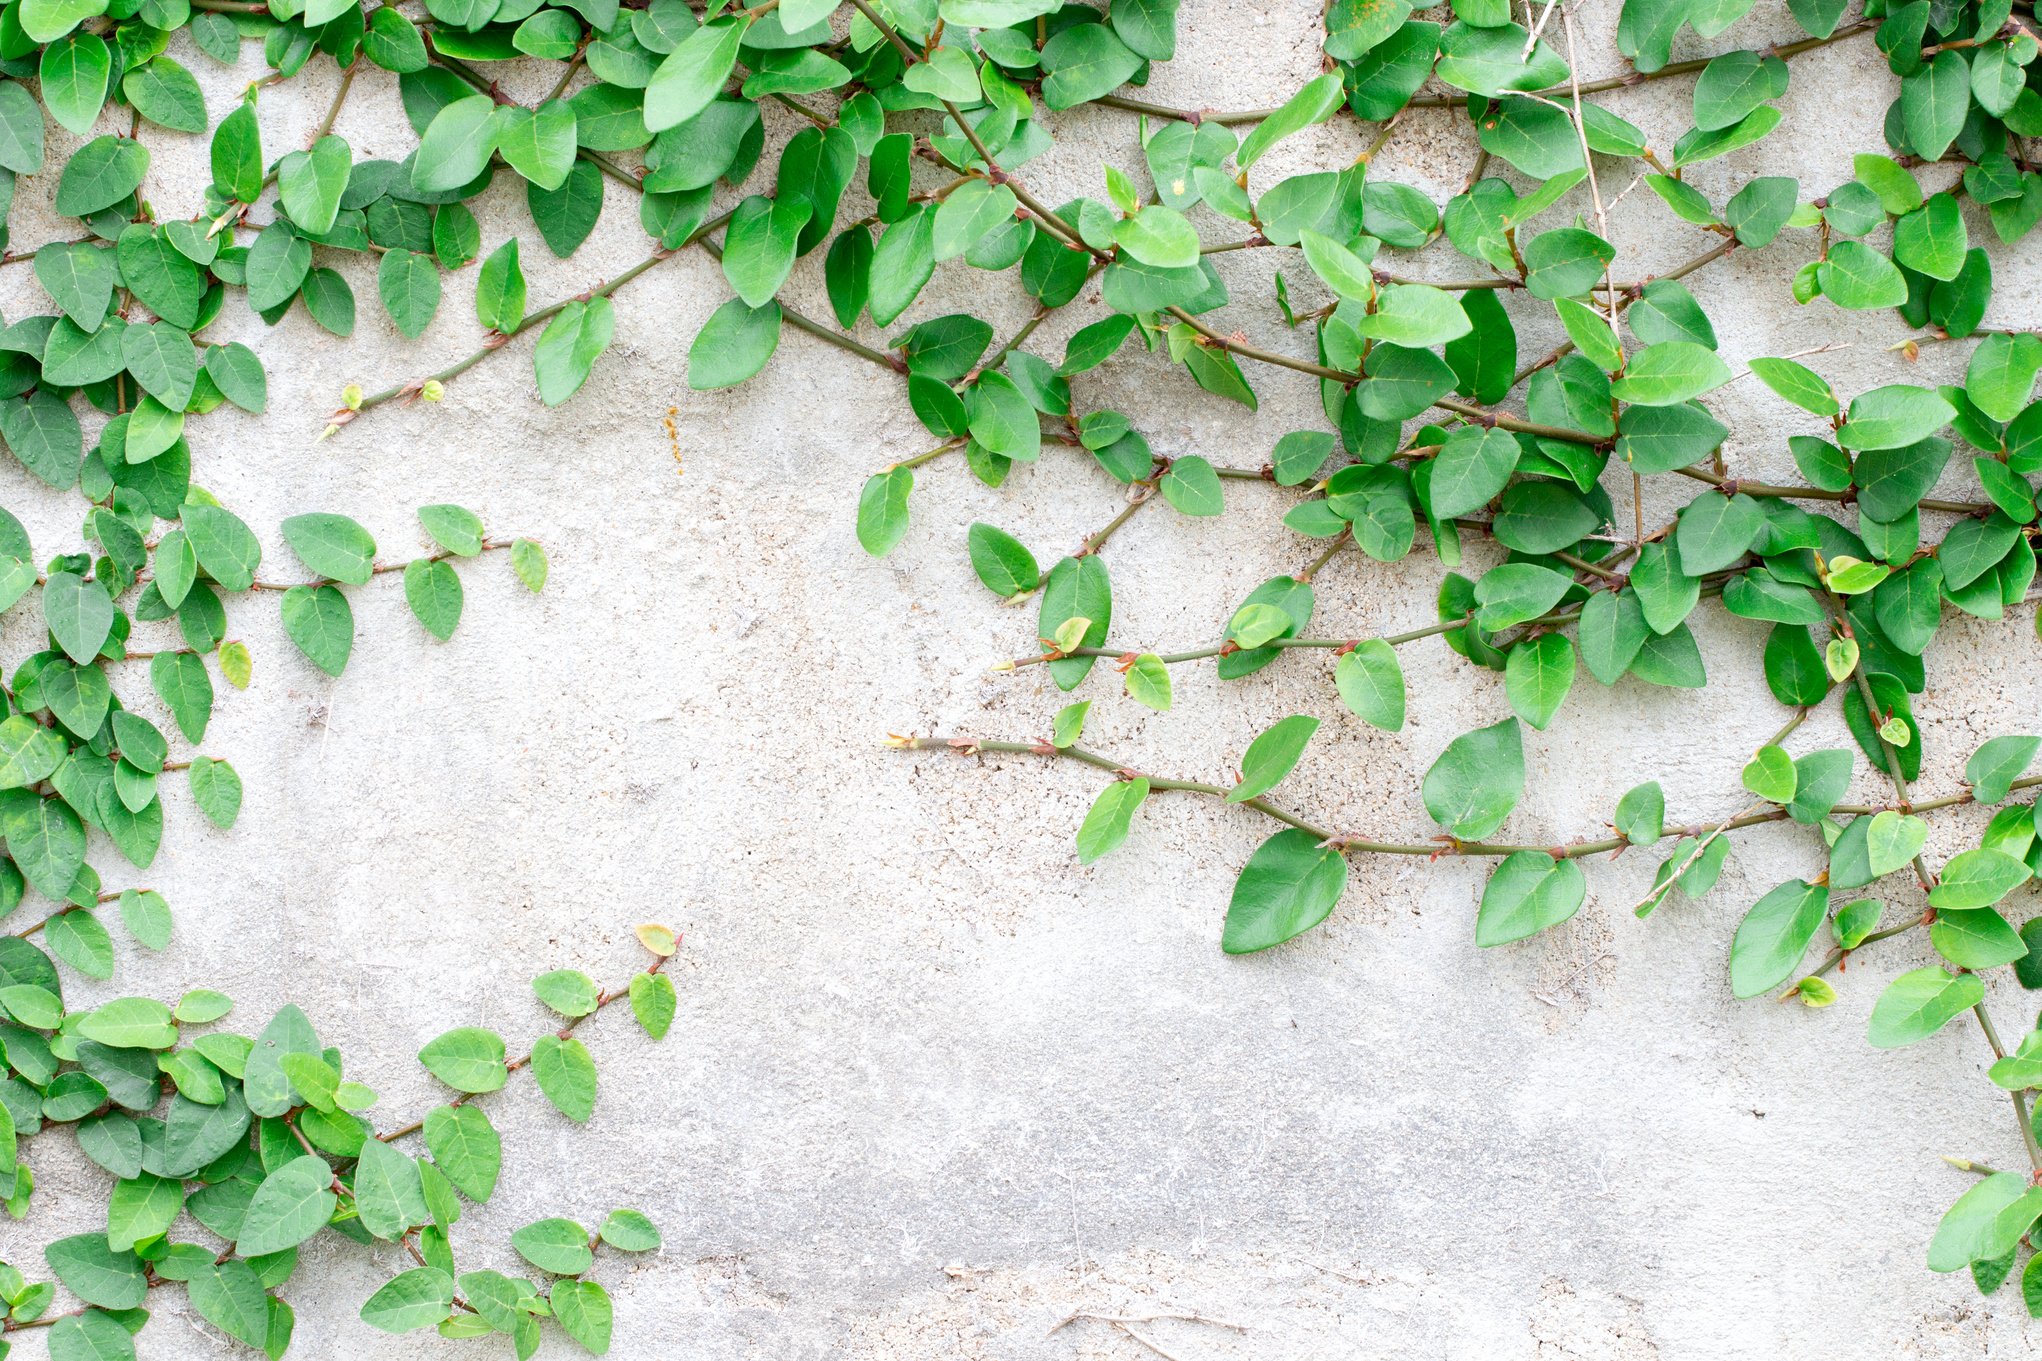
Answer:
(932, 1086)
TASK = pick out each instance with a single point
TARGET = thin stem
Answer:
(1098, 541)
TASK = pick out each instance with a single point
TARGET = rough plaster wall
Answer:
(933, 1087)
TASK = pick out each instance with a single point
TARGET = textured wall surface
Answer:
(933, 1087)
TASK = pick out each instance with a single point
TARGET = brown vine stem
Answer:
(603, 1000)
(68, 908)
(1481, 415)
(498, 338)
(1552, 620)
(1784, 51)
(1443, 846)
(1098, 541)
(1817, 493)
(347, 80)
(817, 329)
(378, 569)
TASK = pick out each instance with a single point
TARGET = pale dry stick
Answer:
(1150, 1343)
(1532, 41)
(1194, 1316)
(1665, 886)
(1588, 161)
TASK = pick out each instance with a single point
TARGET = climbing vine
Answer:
(913, 124)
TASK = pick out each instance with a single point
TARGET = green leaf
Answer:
(75, 74)
(97, 1274)
(79, 615)
(1932, 240)
(90, 1336)
(465, 1146)
(1774, 935)
(1343, 271)
(1471, 470)
(540, 145)
(141, 1208)
(1416, 316)
(237, 154)
(528, 560)
(454, 528)
(737, 341)
(230, 1296)
(1537, 677)
(318, 620)
(1476, 781)
(759, 246)
(311, 183)
(1272, 755)
(457, 145)
(1315, 103)
(332, 546)
(694, 72)
(1083, 62)
(970, 213)
(1489, 61)
(629, 1231)
(129, 1023)
(1567, 262)
(1933, 104)
(883, 510)
(1671, 372)
(1976, 938)
(468, 1059)
(559, 1246)
(1002, 561)
(238, 374)
(1287, 887)
(1798, 384)
(420, 1298)
(1529, 892)
(653, 1002)
(276, 267)
(409, 284)
(1892, 840)
(569, 347)
(584, 1312)
(1641, 814)
(1772, 776)
(292, 1204)
(433, 591)
(500, 288)
(79, 277)
(1988, 1220)
(1916, 1005)
(1990, 772)
(1977, 878)
(1371, 684)
(100, 174)
(567, 1075)
(1148, 682)
(226, 548)
(1859, 278)
(1716, 531)
(1516, 593)
(1734, 84)
(216, 788)
(1893, 417)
